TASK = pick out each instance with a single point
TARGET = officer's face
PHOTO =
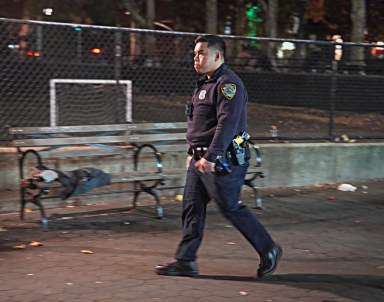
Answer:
(205, 59)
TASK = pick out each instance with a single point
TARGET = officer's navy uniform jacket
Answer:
(219, 112)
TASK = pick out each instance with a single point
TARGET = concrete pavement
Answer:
(333, 245)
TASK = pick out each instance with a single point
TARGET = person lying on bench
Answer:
(74, 182)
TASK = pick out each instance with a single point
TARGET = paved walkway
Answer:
(333, 252)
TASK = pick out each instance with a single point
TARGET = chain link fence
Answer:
(65, 74)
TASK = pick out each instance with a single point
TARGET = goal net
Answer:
(90, 102)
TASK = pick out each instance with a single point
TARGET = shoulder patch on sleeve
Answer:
(228, 90)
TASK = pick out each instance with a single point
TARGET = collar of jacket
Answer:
(204, 79)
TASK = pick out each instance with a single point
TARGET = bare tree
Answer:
(150, 12)
(240, 18)
(147, 22)
(211, 24)
(270, 8)
(131, 6)
(358, 17)
(272, 18)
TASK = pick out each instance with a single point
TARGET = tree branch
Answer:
(135, 15)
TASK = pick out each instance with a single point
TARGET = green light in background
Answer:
(252, 20)
(251, 14)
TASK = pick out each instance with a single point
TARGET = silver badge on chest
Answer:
(202, 94)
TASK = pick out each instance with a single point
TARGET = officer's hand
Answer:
(188, 162)
(205, 166)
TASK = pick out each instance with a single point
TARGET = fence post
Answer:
(332, 99)
(117, 72)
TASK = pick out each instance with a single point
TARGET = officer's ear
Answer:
(217, 56)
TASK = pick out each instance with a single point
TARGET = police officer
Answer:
(216, 114)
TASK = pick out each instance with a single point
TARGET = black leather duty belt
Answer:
(198, 152)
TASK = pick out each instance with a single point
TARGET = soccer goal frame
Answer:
(54, 109)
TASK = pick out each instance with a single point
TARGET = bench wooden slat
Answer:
(97, 140)
(172, 148)
(131, 177)
(116, 178)
(134, 176)
(58, 153)
(97, 128)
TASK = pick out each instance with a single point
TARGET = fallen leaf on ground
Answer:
(19, 247)
(86, 252)
(318, 186)
(35, 243)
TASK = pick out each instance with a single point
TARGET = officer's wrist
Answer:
(210, 157)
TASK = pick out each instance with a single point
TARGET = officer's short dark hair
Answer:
(213, 41)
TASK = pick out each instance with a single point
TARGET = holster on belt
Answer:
(238, 151)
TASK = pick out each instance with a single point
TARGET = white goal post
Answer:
(54, 103)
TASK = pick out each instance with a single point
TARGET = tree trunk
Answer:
(271, 22)
(240, 19)
(271, 27)
(131, 7)
(211, 8)
(150, 42)
(234, 46)
(358, 17)
(150, 13)
(23, 31)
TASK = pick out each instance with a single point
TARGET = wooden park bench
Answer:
(139, 150)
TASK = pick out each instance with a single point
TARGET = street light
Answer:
(48, 11)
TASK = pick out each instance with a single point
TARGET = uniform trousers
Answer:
(199, 189)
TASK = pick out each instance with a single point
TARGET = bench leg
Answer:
(258, 201)
(22, 209)
(259, 204)
(35, 200)
(23, 201)
(44, 221)
(159, 207)
(135, 197)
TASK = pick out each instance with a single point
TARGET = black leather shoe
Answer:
(179, 268)
(269, 261)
